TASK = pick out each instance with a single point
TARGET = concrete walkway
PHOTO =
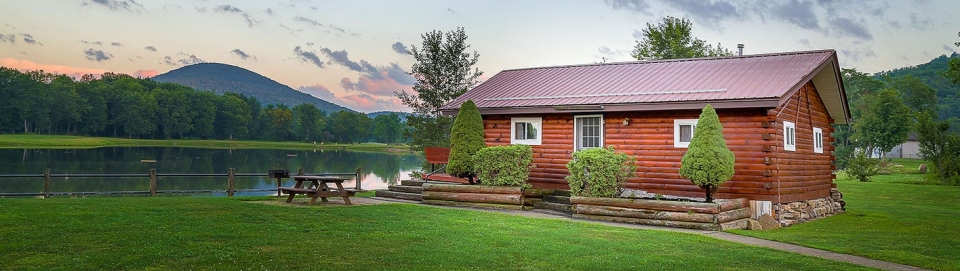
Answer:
(746, 240)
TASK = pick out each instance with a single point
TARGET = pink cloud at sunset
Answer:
(382, 85)
(75, 72)
(367, 103)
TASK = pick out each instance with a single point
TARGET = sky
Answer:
(356, 53)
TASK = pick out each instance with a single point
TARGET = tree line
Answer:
(118, 105)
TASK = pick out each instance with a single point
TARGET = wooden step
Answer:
(552, 212)
(412, 189)
(565, 208)
(556, 199)
(412, 182)
(398, 195)
(562, 193)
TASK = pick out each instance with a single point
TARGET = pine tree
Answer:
(466, 139)
(708, 162)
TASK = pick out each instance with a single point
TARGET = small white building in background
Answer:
(909, 149)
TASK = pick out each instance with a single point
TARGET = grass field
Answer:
(230, 234)
(891, 218)
(73, 142)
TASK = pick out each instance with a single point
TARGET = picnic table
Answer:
(318, 188)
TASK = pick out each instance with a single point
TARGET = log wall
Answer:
(804, 174)
(755, 135)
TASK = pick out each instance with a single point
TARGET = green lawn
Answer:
(230, 234)
(888, 219)
(20, 141)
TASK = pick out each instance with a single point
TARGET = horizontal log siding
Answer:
(803, 174)
(649, 137)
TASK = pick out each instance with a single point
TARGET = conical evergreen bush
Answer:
(708, 162)
(466, 139)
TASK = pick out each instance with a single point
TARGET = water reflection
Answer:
(377, 169)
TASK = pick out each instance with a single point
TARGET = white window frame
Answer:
(576, 134)
(537, 123)
(817, 140)
(676, 131)
(789, 136)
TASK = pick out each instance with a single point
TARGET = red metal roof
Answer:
(738, 78)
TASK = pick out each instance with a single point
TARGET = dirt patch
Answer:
(305, 202)
(397, 150)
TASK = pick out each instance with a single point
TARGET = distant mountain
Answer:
(403, 115)
(948, 93)
(227, 78)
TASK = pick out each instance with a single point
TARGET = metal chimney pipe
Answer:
(740, 49)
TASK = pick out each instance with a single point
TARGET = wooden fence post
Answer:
(46, 183)
(358, 179)
(230, 179)
(153, 182)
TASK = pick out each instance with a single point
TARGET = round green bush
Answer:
(599, 172)
(504, 165)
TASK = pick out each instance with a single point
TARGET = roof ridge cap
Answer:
(675, 60)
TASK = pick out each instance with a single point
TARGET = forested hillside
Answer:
(222, 78)
(118, 105)
(930, 73)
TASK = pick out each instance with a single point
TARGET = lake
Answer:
(378, 170)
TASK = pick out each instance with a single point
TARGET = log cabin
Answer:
(776, 111)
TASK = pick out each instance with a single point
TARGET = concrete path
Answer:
(746, 240)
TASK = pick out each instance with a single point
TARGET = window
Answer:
(683, 132)
(526, 131)
(588, 132)
(817, 140)
(789, 136)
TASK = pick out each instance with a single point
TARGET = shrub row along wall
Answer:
(721, 215)
(502, 197)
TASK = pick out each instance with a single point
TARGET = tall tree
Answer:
(885, 125)
(308, 120)
(387, 128)
(671, 39)
(444, 70)
(917, 95)
(280, 118)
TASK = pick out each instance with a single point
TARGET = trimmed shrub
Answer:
(708, 162)
(504, 165)
(466, 139)
(862, 167)
(599, 172)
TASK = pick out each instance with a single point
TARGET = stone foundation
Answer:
(802, 211)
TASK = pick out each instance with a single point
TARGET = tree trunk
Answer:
(709, 191)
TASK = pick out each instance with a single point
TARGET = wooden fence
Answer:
(153, 176)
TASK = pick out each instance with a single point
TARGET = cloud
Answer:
(97, 55)
(805, 42)
(145, 73)
(251, 22)
(857, 54)
(92, 42)
(641, 6)
(711, 12)
(319, 91)
(328, 28)
(12, 38)
(948, 48)
(117, 5)
(243, 55)
(400, 48)
(269, 11)
(185, 59)
(848, 27)
(75, 72)
(452, 11)
(797, 13)
(116, 44)
(384, 82)
(308, 56)
(150, 48)
(367, 103)
(340, 57)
